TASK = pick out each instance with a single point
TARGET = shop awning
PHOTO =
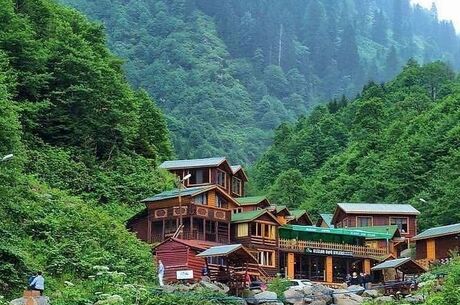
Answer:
(336, 231)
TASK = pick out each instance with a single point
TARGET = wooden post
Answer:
(191, 228)
(431, 249)
(149, 228)
(204, 229)
(228, 232)
(164, 229)
(290, 265)
(329, 270)
(367, 265)
(217, 231)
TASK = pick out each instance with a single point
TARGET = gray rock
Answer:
(266, 297)
(218, 287)
(223, 288)
(371, 293)
(383, 299)
(347, 298)
(318, 302)
(168, 288)
(356, 289)
(414, 299)
(292, 296)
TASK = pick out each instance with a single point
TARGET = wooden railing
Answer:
(195, 235)
(257, 240)
(358, 251)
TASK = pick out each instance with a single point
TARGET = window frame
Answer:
(240, 184)
(371, 223)
(202, 195)
(261, 260)
(219, 171)
(193, 173)
(400, 217)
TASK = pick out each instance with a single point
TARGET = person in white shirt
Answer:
(161, 272)
(38, 283)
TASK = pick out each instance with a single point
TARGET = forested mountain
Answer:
(227, 72)
(396, 142)
(85, 147)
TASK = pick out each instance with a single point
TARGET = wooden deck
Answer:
(357, 251)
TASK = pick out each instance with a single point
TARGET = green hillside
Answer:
(396, 142)
(227, 72)
(86, 146)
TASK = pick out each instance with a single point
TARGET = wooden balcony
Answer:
(202, 211)
(262, 241)
(212, 237)
(357, 251)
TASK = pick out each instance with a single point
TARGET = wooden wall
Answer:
(446, 243)
(421, 252)
(140, 227)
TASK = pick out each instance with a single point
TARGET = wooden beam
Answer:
(217, 231)
(290, 265)
(329, 269)
(367, 266)
(431, 249)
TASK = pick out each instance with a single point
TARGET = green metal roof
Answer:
(384, 230)
(336, 231)
(378, 208)
(193, 163)
(175, 193)
(439, 231)
(220, 250)
(247, 216)
(250, 200)
(297, 213)
(327, 218)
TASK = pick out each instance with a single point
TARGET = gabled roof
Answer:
(252, 200)
(193, 163)
(239, 168)
(327, 218)
(384, 230)
(277, 209)
(439, 231)
(189, 191)
(251, 215)
(296, 214)
(237, 251)
(406, 264)
(378, 208)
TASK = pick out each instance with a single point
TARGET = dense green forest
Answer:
(85, 147)
(396, 142)
(227, 72)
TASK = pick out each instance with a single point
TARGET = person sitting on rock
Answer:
(30, 280)
(38, 283)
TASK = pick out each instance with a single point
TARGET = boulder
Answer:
(343, 297)
(292, 296)
(318, 302)
(223, 288)
(266, 297)
(414, 299)
(371, 293)
(168, 288)
(356, 289)
(217, 287)
(383, 299)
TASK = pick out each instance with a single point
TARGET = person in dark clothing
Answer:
(354, 279)
(30, 281)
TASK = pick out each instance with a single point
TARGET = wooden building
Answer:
(209, 171)
(348, 215)
(299, 217)
(178, 254)
(324, 221)
(258, 231)
(437, 243)
(247, 204)
(389, 238)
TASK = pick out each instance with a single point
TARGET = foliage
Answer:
(227, 74)
(278, 285)
(396, 142)
(86, 148)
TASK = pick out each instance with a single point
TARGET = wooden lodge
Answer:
(437, 244)
(211, 210)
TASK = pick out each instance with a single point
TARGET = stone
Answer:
(292, 296)
(356, 289)
(168, 288)
(318, 302)
(223, 288)
(266, 297)
(347, 298)
(414, 299)
(383, 299)
(371, 293)
(217, 287)
(41, 300)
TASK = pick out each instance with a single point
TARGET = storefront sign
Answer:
(317, 251)
(184, 274)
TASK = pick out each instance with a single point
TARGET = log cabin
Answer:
(252, 203)
(299, 217)
(258, 231)
(281, 212)
(348, 215)
(389, 238)
(209, 171)
(324, 220)
(437, 244)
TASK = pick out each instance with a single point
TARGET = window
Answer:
(364, 221)
(237, 210)
(210, 227)
(236, 186)
(221, 178)
(263, 230)
(401, 222)
(199, 176)
(221, 202)
(201, 199)
(266, 258)
(242, 230)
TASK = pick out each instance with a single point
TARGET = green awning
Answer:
(383, 232)
(335, 231)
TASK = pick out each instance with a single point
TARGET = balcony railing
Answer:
(203, 211)
(156, 238)
(358, 251)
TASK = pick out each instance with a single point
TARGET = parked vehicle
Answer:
(299, 284)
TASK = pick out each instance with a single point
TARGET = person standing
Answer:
(38, 283)
(161, 272)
